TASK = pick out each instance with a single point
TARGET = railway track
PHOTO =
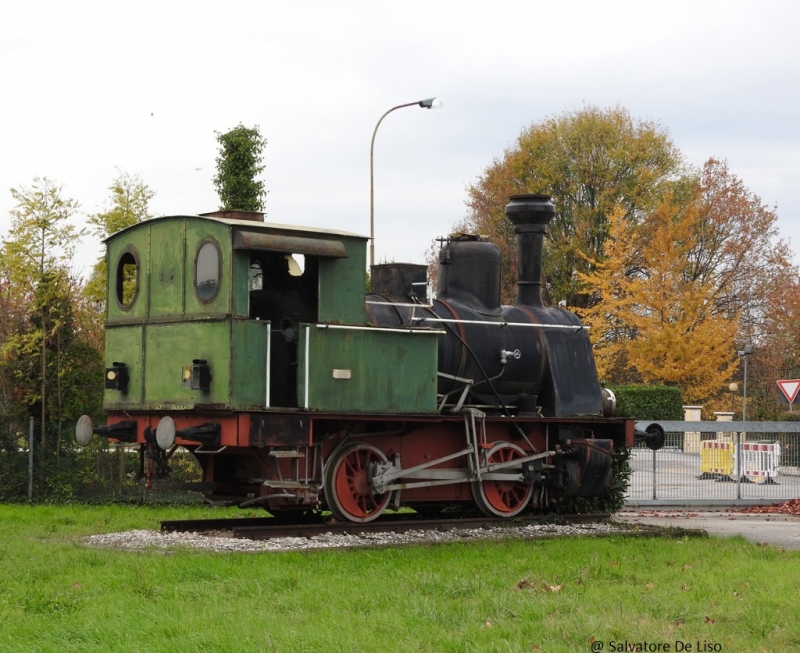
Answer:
(266, 528)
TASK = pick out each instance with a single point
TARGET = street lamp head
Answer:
(431, 103)
(733, 387)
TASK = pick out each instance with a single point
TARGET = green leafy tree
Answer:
(238, 164)
(590, 161)
(128, 205)
(16, 312)
(36, 258)
(69, 385)
(41, 237)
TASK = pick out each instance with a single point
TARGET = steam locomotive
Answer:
(256, 347)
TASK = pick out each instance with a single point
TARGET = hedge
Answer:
(649, 402)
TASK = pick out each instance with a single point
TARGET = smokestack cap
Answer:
(529, 209)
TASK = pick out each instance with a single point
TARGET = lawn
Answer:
(571, 595)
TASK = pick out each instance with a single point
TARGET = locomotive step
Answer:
(282, 453)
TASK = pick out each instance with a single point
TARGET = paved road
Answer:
(777, 530)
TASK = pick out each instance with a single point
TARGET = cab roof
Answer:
(252, 225)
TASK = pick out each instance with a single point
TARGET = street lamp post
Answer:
(430, 103)
(747, 351)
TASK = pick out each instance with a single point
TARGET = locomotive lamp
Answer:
(197, 376)
(430, 103)
(117, 377)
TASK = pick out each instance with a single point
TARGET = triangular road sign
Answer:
(790, 389)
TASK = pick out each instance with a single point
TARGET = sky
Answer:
(92, 89)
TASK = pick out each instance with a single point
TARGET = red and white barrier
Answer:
(759, 460)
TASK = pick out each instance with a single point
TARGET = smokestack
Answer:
(530, 215)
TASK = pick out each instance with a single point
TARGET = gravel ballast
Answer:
(145, 539)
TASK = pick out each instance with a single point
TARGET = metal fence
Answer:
(718, 467)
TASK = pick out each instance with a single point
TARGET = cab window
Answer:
(127, 279)
(256, 276)
(207, 271)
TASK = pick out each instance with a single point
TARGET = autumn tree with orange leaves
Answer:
(676, 295)
(652, 321)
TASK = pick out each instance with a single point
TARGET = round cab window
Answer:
(127, 279)
(207, 272)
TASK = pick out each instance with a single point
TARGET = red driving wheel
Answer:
(501, 498)
(348, 491)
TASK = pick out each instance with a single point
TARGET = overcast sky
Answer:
(93, 88)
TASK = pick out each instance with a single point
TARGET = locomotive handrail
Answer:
(268, 375)
(401, 304)
(576, 327)
(412, 330)
(680, 426)
(305, 371)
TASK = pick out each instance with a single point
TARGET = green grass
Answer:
(511, 595)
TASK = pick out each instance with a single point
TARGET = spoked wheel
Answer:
(347, 489)
(502, 498)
